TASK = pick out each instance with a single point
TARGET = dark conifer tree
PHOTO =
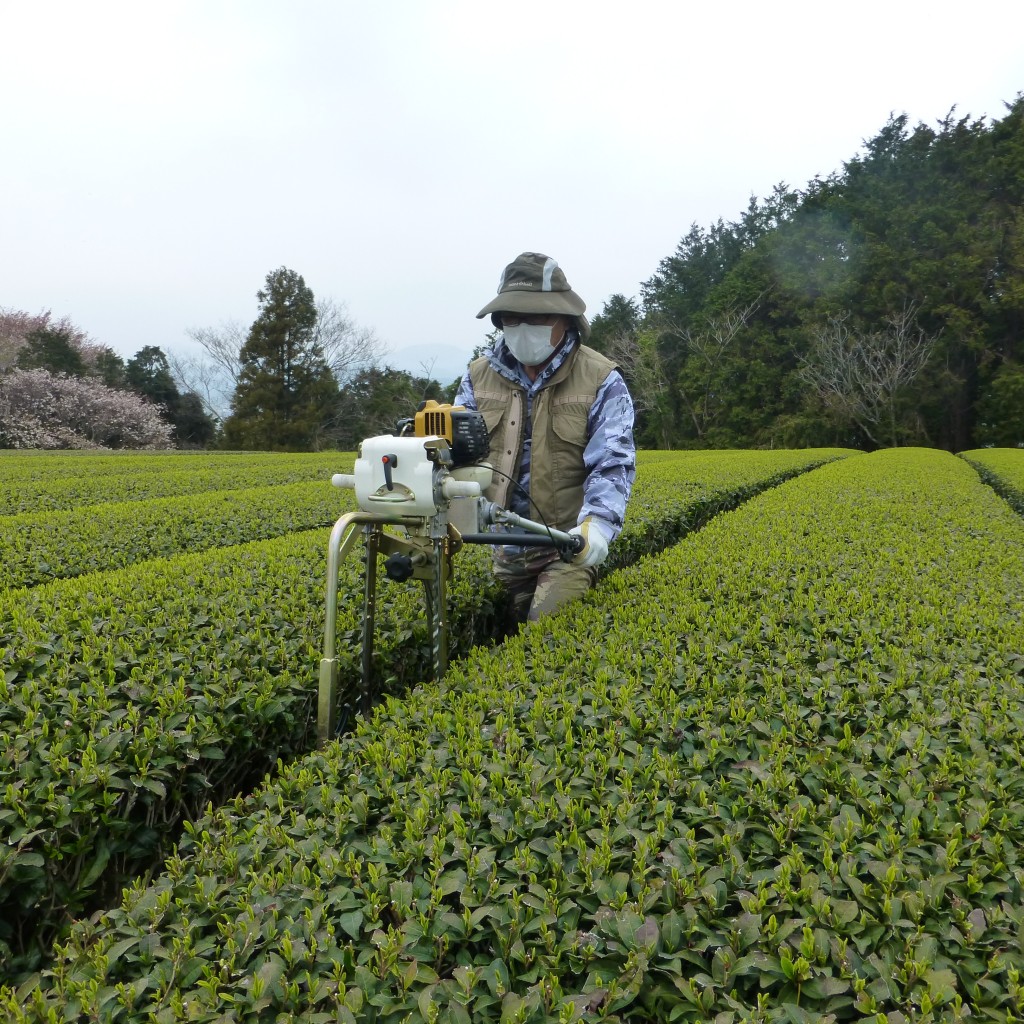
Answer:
(285, 388)
(147, 373)
(52, 349)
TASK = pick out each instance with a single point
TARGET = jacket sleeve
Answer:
(610, 456)
(465, 395)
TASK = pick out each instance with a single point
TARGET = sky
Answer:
(158, 160)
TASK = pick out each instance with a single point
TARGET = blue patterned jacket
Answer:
(610, 453)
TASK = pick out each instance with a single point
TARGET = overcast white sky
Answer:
(159, 159)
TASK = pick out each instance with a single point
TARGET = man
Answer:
(560, 421)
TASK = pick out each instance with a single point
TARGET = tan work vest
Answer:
(560, 410)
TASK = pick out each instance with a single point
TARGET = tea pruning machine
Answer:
(426, 482)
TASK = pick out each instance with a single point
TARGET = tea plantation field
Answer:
(769, 769)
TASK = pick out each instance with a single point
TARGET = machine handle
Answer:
(526, 540)
(565, 545)
(460, 488)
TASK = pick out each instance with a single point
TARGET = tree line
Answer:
(304, 376)
(882, 305)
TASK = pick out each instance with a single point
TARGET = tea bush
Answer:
(772, 774)
(130, 699)
(1003, 470)
(39, 546)
(64, 482)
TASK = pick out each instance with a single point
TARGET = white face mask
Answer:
(529, 343)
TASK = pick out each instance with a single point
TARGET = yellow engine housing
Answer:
(464, 429)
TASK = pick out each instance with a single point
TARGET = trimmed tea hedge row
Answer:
(29, 465)
(676, 492)
(130, 477)
(40, 546)
(1003, 470)
(130, 699)
(771, 775)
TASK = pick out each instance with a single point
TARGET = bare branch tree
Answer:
(708, 346)
(636, 355)
(213, 374)
(222, 346)
(203, 378)
(347, 347)
(862, 376)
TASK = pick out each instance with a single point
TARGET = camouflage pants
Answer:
(539, 582)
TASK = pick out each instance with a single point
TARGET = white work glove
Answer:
(595, 551)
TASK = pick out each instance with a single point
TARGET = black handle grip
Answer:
(524, 540)
(566, 550)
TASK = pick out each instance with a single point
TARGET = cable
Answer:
(526, 494)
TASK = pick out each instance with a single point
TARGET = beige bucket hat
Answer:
(535, 283)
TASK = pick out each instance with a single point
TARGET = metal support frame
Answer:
(430, 547)
(429, 544)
